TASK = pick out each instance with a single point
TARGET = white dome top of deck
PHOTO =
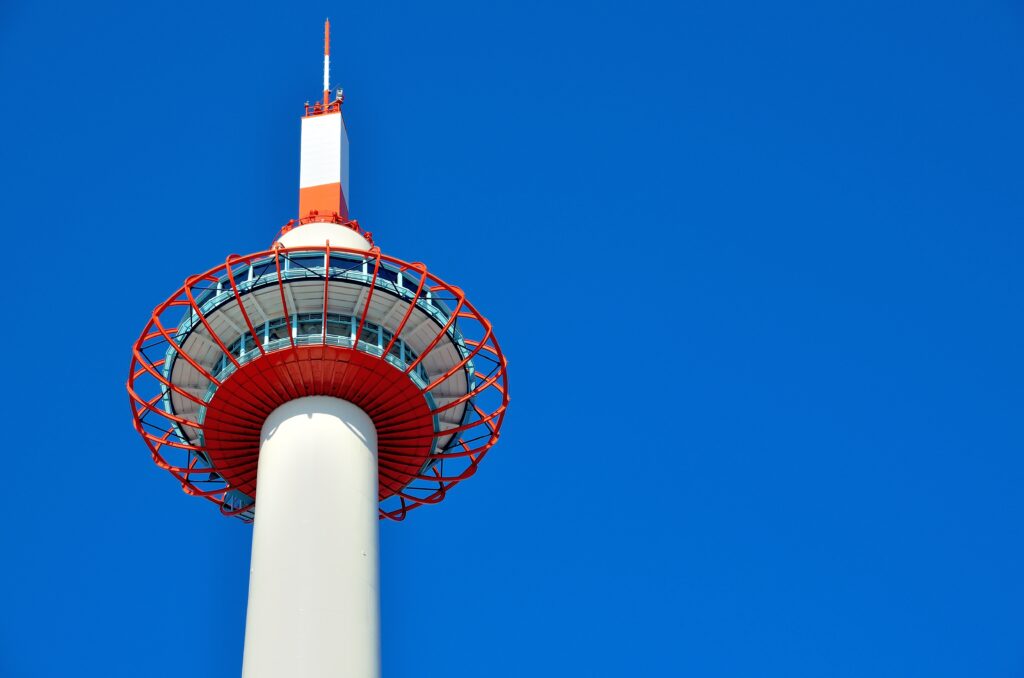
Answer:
(322, 233)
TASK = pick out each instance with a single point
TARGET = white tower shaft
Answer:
(314, 603)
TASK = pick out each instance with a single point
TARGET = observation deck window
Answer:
(310, 323)
(306, 261)
(340, 261)
(309, 329)
(410, 283)
(277, 329)
(371, 334)
(340, 326)
(258, 271)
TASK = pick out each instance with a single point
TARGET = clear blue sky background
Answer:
(756, 267)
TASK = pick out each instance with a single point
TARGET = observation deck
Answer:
(241, 339)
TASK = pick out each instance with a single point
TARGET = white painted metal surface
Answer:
(314, 607)
(324, 148)
(319, 233)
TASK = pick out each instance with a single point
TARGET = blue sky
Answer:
(756, 267)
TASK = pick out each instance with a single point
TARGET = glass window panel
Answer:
(310, 323)
(409, 283)
(307, 261)
(342, 326)
(263, 269)
(341, 261)
(369, 334)
(278, 329)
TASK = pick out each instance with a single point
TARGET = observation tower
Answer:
(345, 384)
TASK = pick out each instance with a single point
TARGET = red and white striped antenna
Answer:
(327, 61)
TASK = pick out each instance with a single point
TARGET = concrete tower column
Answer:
(314, 603)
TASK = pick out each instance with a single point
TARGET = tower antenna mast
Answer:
(327, 61)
